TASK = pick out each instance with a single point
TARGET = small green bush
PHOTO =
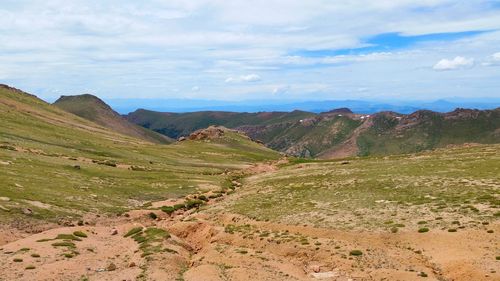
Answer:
(18, 260)
(68, 237)
(203, 198)
(35, 255)
(423, 230)
(355, 253)
(422, 222)
(80, 234)
(64, 244)
(490, 231)
(29, 267)
(152, 215)
(194, 203)
(394, 229)
(452, 230)
(133, 231)
(168, 209)
(423, 274)
(24, 249)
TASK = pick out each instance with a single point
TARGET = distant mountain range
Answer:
(340, 132)
(124, 106)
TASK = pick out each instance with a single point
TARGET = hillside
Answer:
(62, 167)
(339, 133)
(94, 109)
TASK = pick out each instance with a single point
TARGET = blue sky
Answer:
(243, 50)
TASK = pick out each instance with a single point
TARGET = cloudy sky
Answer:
(259, 49)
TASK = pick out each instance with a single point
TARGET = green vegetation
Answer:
(80, 234)
(423, 230)
(379, 193)
(68, 237)
(151, 240)
(64, 244)
(34, 255)
(17, 260)
(355, 253)
(133, 231)
(46, 142)
(29, 267)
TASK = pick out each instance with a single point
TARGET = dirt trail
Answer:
(211, 244)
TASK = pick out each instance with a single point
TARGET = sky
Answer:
(241, 50)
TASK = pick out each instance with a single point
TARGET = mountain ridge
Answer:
(338, 132)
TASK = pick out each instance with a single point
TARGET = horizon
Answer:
(211, 50)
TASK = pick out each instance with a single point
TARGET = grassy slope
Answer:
(95, 110)
(460, 184)
(47, 138)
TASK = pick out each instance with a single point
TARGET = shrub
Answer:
(80, 234)
(490, 231)
(195, 203)
(422, 222)
(452, 230)
(355, 253)
(394, 229)
(168, 209)
(29, 267)
(64, 244)
(68, 237)
(203, 197)
(35, 255)
(133, 231)
(423, 229)
(153, 215)
(18, 260)
(423, 274)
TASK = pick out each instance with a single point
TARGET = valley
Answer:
(81, 201)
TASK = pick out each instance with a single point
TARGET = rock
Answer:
(114, 231)
(316, 268)
(18, 185)
(111, 267)
(5, 162)
(132, 264)
(27, 211)
(5, 199)
(182, 139)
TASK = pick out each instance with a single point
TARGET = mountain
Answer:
(94, 109)
(340, 132)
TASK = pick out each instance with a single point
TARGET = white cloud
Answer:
(243, 78)
(155, 46)
(456, 63)
(281, 89)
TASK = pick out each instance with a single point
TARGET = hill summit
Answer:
(96, 110)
